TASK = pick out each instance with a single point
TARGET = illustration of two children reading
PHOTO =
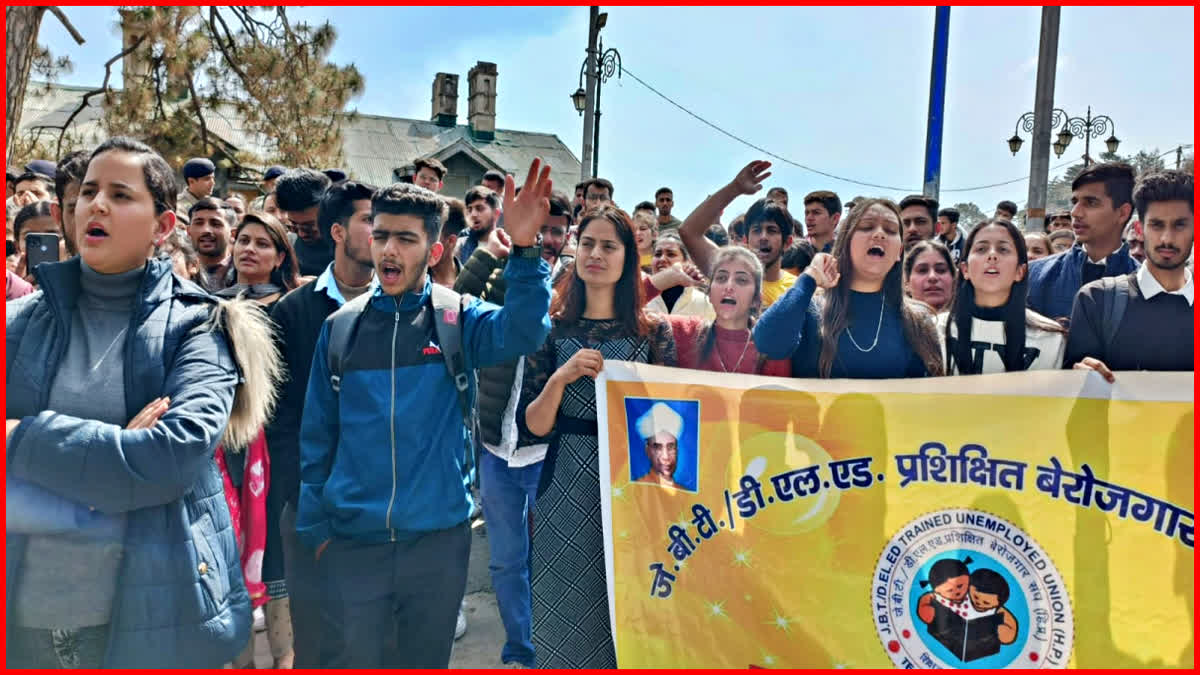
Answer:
(965, 610)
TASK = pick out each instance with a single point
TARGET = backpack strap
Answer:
(1116, 300)
(342, 326)
(447, 320)
(447, 313)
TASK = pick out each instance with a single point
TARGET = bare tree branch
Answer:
(214, 18)
(196, 107)
(83, 102)
(67, 24)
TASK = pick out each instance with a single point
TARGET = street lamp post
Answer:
(1086, 128)
(607, 63)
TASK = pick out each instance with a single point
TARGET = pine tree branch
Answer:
(246, 82)
(67, 24)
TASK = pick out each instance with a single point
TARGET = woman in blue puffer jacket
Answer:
(122, 379)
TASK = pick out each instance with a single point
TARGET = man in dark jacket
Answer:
(344, 217)
(1155, 328)
(390, 531)
(483, 212)
(508, 470)
(298, 193)
(1101, 203)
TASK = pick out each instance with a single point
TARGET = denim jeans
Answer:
(508, 497)
(56, 649)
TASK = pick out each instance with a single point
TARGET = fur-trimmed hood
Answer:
(250, 334)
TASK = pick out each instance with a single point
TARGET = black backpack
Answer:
(447, 319)
(1115, 299)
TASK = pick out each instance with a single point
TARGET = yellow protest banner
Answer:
(1026, 520)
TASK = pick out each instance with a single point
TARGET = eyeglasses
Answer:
(10, 247)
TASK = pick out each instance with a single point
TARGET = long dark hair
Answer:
(571, 299)
(962, 310)
(708, 335)
(286, 274)
(914, 316)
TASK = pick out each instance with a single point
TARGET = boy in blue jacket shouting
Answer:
(385, 452)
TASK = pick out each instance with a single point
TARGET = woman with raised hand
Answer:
(686, 296)
(989, 328)
(863, 326)
(929, 274)
(121, 379)
(723, 344)
(596, 315)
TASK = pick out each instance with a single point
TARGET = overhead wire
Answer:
(743, 141)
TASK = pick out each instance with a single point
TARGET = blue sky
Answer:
(844, 90)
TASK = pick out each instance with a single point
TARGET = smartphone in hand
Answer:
(40, 247)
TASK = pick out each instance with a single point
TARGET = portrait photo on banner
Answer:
(664, 442)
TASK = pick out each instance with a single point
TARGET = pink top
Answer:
(15, 287)
(734, 351)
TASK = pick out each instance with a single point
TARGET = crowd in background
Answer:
(301, 389)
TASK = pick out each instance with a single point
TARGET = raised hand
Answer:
(824, 270)
(498, 243)
(694, 274)
(525, 213)
(749, 180)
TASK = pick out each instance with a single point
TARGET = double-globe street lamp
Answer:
(608, 63)
(1086, 128)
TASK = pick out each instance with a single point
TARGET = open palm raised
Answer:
(525, 213)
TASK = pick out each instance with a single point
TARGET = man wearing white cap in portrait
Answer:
(660, 428)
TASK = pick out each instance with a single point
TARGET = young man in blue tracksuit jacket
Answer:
(1101, 204)
(384, 498)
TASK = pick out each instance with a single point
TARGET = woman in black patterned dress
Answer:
(597, 314)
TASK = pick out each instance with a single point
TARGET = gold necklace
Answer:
(721, 361)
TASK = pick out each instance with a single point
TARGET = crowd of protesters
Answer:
(301, 388)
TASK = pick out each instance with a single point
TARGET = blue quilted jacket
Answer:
(181, 599)
(1054, 280)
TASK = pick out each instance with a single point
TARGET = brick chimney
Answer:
(445, 100)
(481, 110)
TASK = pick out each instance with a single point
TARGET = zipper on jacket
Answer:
(392, 425)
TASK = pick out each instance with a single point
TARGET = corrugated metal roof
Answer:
(373, 145)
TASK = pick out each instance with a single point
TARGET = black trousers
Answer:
(393, 605)
(304, 590)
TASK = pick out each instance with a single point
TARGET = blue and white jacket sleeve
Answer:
(493, 334)
(781, 330)
(318, 442)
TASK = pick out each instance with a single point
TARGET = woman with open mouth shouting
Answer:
(863, 326)
(723, 344)
(988, 328)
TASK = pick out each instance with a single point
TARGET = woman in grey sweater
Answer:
(121, 380)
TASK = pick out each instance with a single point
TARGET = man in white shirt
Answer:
(1143, 320)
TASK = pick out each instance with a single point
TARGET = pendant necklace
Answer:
(882, 302)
